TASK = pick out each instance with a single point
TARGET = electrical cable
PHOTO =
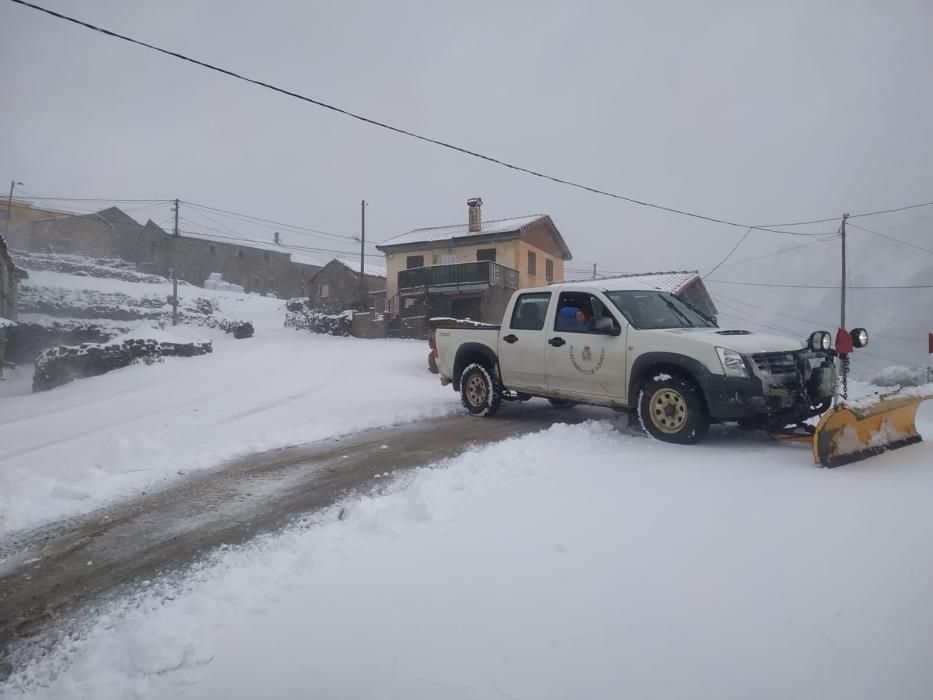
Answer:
(420, 137)
(892, 238)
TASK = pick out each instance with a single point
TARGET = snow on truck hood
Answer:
(740, 341)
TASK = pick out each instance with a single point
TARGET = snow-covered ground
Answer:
(580, 562)
(68, 450)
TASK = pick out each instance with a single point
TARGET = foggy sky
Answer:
(759, 112)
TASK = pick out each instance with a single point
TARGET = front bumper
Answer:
(785, 387)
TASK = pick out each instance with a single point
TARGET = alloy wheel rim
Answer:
(668, 410)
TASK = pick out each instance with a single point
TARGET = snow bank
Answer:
(579, 563)
(900, 375)
(69, 450)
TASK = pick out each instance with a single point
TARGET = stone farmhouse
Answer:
(470, 270)
(258, 267)
(336, 286)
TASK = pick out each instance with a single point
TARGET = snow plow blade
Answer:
(850, 433)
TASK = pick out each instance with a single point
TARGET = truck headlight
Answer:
(733, 364)
(820, 341)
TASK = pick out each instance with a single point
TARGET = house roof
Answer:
(371, 269)
(672, 282)
(487, 228)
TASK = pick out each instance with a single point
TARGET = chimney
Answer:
(276, 237)
(476, 214)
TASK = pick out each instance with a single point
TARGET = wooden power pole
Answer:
(175, 269)
(363, 300)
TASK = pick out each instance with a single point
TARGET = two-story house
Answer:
(470, 270)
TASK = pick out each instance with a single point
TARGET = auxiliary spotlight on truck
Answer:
(619, 344)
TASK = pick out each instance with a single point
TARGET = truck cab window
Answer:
(579, 312)
(529, 311)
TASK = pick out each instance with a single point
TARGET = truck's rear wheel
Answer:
(479, 392)
(672, 409)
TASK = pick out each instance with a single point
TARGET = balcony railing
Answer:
(482, 273)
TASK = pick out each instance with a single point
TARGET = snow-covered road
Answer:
(577, 562)
(45, 574)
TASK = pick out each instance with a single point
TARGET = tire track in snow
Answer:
(50, 579)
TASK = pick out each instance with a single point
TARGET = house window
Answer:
(255, 284)
(413, 261)
(486, 254)
(324, 291)
(213, 250)
(532, 264)
(549, 270)
(153, 247)
(239, 254)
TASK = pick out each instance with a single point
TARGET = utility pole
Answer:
(842, 314)
(9, 207)
(842, 361)
(594, 271)
(175, 237)
(363, 254)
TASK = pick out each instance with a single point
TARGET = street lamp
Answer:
(9, 207)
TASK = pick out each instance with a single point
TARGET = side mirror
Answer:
(606, 326)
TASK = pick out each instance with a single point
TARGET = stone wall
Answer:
(368, 325)
(57, 366)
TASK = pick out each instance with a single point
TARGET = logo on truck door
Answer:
(585, 363)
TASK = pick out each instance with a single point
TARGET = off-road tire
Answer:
(480, 393)
(672, 409)
(562, 403)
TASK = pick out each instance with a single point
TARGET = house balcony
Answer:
(459, 277)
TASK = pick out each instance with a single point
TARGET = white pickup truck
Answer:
(621, 344)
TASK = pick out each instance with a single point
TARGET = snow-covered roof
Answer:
(672, 282)
(444, 233)
(371, 268)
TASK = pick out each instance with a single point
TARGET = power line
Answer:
(734, 248)
(91, 199)
(891, 211)
(776, 253)
(201, 234)
(891, 238)
(816, 286)
(811, 322)
(405, 132)
(259, 219)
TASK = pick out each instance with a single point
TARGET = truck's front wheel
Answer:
(672, 409)
(479, 392)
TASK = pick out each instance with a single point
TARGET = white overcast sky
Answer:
(759, 112)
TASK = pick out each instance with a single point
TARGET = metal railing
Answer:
(459, 274)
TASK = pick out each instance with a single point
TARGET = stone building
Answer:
(263, 268)
(336, 287)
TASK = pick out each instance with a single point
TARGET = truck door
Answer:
(583, 357)
(521, 343)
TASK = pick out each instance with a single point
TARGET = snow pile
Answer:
(6, 323)
(579, 562)
(899, 375)
(215, 281)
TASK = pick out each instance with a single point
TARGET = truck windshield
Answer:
(650, 309)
